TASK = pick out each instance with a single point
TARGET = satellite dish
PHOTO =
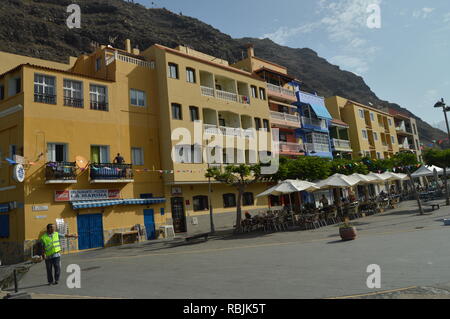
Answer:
(81, 162)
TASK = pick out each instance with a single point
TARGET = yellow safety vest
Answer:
(51, 244)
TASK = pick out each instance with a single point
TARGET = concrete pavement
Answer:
(410, 249)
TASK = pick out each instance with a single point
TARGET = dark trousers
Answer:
(56, 264)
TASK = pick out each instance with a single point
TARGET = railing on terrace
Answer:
(343, 144)
(290, 147)
(128, 59)
(315, 147)
(280, 90)
(69, 101)
(229, 131)
(314, 122)
(207, 91)
(60, 171)
(111, 171)
(224, 95)
(285, 117)
(45, 98)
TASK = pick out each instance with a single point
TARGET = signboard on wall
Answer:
(86, 194)
(177, 190)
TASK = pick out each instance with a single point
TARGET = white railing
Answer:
(210, 129)
(343, 144)
(315, 147)
(228, 131)
(228, 96)
(285, 117)
(280, 90)
(207, 91)
(314, 122)
(138, 62)
(290, 147)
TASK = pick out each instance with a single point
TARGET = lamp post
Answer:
(211, 216)
(446, 109)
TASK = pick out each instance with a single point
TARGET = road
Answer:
(411, 250)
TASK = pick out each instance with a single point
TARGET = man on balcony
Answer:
(118, 159)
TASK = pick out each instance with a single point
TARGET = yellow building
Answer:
(407, 133)
(372, 132)
(57, 118)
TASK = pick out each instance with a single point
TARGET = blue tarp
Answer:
(317, 103)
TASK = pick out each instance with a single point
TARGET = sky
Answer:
(405, 59)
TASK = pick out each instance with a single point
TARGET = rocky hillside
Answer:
(38, 28)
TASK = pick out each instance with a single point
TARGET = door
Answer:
(90, 231)
(179, 219)
(149, 222)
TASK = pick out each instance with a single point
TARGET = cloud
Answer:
(447, 17)
(423, 13)
(283, 34)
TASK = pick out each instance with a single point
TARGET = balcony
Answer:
(224, 95)
(60, 173)
(317, 148)
(289, 148)
(281, 92)
(45, 98)
(285, 119)
(111, 173)
(99, 106)
(228, 131)
(68, 101)
(341, 144)
(314, 123)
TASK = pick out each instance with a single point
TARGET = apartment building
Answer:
(372, 132)
(407, 133)
(281, 99)
(64, 127)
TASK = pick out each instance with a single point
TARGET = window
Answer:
(44, 89)
(99, 97)
(137, 98)
(361, 113)
(262, 94)
(266, 125)
(229, 200)
(100, 154)
(254, 90)
(98, 64)
(257, 123)
(375, 136)
(173, 71)
(73, 93)
(283, 136)
(390, 122)
(57, 152)
(372, 117)
(417, 145)
(2, 92)
(12, 150)
(176, 112)
(188, 154)
(364, 133)
(392, 140)
(200, 203)
(378, 155)
(14, 86)
(415, 129)
(247, 199)
(4, 226)
(137, 156)
(193, 110)
(190, 75)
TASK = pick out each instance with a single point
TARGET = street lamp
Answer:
(211, 215)
(446, 109)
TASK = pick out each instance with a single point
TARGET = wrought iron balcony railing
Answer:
(111, 172)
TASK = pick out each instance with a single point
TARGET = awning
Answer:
(4, 208)
(114, 202)
(317, 103)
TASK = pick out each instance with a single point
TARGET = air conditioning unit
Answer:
(168, 231)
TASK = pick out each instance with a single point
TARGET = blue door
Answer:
(90, 231)
(149, 222)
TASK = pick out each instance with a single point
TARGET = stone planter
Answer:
(348, 233)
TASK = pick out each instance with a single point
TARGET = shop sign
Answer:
(86, 194)
(39, 208)
(18, 173)
(177, 190)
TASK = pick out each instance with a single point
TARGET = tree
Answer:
(348, 167)
(377, 165)
(440, 158)
(239, 177)
(308, 168)
(406, 161)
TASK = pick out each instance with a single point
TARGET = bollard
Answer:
(17, 294)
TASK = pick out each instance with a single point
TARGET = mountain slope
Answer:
(38, 28)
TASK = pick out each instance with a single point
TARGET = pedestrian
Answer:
(52, 253)
(119, 159)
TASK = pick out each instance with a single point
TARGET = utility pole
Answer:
(446, 109)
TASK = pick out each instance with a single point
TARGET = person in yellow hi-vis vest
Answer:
(51, 252)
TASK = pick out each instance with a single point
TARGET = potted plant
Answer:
(347, 231)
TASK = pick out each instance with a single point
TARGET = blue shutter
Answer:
(4, 226)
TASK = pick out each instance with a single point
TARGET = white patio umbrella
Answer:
(427, 171)
(338, 181)
(288, 187)
(365, 180)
